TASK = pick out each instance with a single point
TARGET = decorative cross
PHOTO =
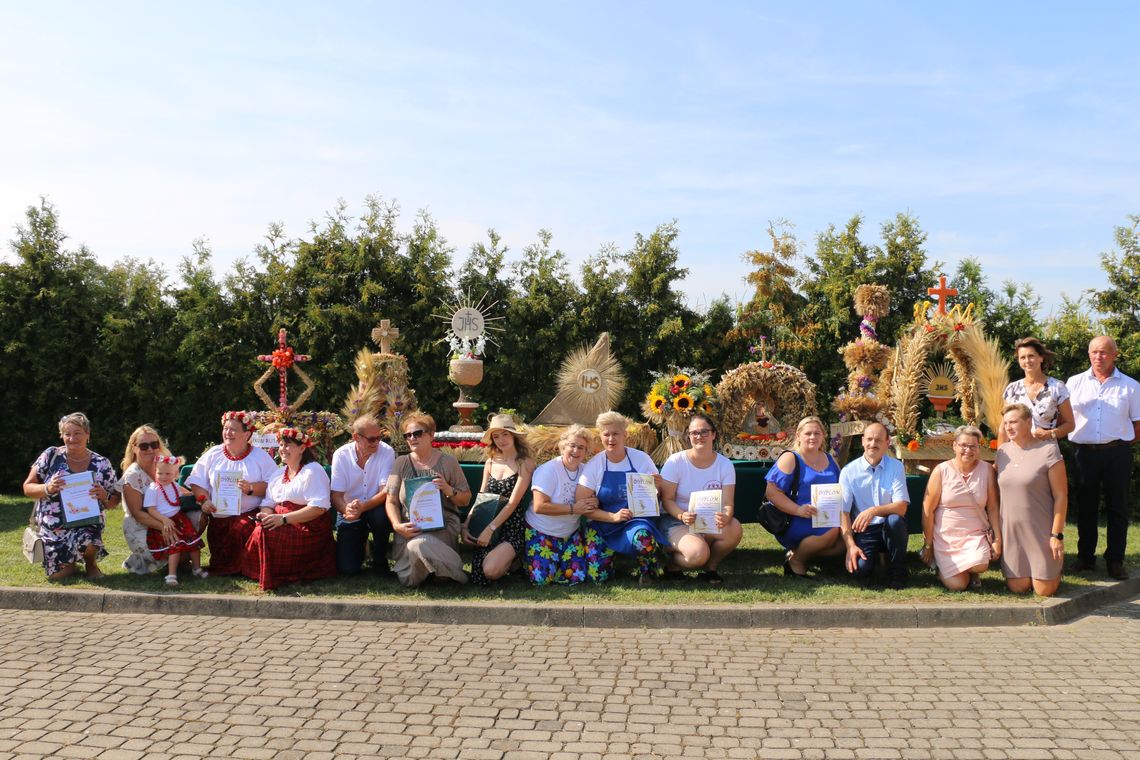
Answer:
(282, 359)
(942, 292)
(763, 348)
(384, 335)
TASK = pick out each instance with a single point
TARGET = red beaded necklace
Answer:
(172, 502)
(287, 477)
(232, 458)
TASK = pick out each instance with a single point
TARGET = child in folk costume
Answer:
(177, 536)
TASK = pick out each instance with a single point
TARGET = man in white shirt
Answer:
(873, 518)
(360, 472)
(1106, 408)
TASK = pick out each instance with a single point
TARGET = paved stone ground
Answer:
(152, 686)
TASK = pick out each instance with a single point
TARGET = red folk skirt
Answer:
(188, 539)
(226, 537)
(291, 553)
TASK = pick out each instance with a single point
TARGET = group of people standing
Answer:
(564, 521)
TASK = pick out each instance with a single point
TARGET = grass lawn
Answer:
(753, 575)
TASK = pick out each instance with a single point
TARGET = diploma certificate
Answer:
(424, 504)
(828, 501)
(706, 505)
(227, 495)
(79, 506)
(641, 494)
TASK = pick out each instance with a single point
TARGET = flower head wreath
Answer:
(296, 436)
(163, 459)
(245, 418)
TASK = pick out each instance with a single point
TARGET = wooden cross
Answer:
(763, 348)
(282, 359)
(942, 292)
(384, 335)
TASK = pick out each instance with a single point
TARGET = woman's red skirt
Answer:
(291, 553)
(188, 539)
(226, 537)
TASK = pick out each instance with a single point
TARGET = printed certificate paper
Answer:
(828, 500)
(227, 495)
(706, 505)
(425, 507)
(79, 506)
(641, 494)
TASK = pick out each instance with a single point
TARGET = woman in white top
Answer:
(293, 538)
(227, 534)
(138, 468)
(699, 468)
(1046, 397)
(559, 550)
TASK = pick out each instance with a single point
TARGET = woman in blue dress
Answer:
(602, 498)
(792, 494)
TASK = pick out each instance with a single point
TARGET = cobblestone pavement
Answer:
(149, 686)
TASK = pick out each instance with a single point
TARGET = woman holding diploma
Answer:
(958, 510)
(71, 484)
(230, 482)
(789, 488)
(293, 539)
(626, 521)
(558, 549)
(703, 471)
(507, 473)
(419, 553)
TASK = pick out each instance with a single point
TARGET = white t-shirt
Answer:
(256, 467)
(550, 478)
(310, 486)
(361, 483)
(156, 499)
(593, 470)
(688, 477)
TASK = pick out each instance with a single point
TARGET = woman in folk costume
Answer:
(293, 539)
(226, 535)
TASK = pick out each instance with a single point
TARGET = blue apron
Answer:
(612, 498)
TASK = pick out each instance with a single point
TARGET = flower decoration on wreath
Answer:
(673, 398)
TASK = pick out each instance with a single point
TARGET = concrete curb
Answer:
(1048, 612)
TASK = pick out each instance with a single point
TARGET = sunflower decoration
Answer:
(673, 397)
(683, 403)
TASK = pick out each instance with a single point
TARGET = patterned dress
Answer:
(513, 531)
(65, 546)
(553, 560)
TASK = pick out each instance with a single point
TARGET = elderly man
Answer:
(360, 470)
(873, 518)
(1106, 407)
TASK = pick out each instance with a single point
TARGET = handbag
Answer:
(772, 518)
(486, 508)
(33, 546)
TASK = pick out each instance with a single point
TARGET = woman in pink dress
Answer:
(960, 507)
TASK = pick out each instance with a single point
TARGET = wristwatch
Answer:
(284, 519)
(1058, 536)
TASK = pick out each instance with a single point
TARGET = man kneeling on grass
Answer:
(875, 500)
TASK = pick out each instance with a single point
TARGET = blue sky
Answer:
(1009, 130)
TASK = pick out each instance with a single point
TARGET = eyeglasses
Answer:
(371, 438)
(413, 434)
(575, 447)
(967, 446)
(148, 445)
(700, 433)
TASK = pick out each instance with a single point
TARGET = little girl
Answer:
(162, 501)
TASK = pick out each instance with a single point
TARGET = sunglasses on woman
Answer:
(148, 445)
(413, 434)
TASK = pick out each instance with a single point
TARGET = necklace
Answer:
(286, 477)
(571, 477)
(172, 502)
(232, 458)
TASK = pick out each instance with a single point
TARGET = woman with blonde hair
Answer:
(559, 550)
(418, 555)
(138, 465)
(789, 488)
(958, 511)
(601, 496)
(506, 472)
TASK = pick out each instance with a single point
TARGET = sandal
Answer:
(172, 580)
(975, 581)
(711, 577)
(200, 573)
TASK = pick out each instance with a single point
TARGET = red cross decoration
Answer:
(942, 292)
(282, 359)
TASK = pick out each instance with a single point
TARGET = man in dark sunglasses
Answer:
(360, 470)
